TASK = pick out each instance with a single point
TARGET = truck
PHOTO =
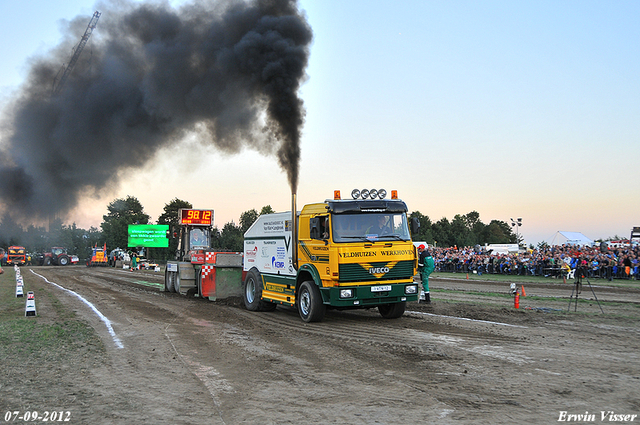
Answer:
(16, 255)
(197, 269)
(338, 254)
(98, 256)
(57, 256)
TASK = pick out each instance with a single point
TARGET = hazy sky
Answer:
(513, 109)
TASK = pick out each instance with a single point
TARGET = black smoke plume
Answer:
(150, 74)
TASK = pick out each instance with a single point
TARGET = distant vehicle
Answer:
(115, 255)
(58, 256)
(98, 256)
(144, 264)
(16, 255)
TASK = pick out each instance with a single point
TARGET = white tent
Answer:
(570, 238)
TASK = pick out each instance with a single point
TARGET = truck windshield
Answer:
(370, 227)
(199, 238)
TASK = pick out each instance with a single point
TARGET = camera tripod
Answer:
(577, 289)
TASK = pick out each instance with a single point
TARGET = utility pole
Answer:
(517, 224)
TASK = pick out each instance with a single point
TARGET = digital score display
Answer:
(196, 217)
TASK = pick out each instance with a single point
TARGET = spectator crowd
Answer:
(553, 261)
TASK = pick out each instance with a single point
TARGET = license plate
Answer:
(382, 288)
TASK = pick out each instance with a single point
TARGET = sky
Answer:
(512, 109)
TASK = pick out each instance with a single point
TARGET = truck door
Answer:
(317, 246)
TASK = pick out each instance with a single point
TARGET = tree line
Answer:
(463, 230)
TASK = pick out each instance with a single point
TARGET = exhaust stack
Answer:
(294, 231)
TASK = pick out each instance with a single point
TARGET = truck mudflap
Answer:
(369, 295)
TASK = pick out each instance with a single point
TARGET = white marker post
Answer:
(19, 286)
(30, 307)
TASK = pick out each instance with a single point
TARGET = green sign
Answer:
(148, 235)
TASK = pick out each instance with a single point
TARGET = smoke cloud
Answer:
(150, 74)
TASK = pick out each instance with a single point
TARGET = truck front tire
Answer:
(309, 300)
(252, 293)
(392, 311)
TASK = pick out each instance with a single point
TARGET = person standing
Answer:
(134, 261)
(426, 266)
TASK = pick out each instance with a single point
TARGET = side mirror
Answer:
(415, 225)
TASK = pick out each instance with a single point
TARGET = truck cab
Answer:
(16, 255)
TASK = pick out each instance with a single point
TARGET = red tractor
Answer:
(57, 256)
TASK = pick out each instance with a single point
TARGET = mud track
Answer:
(468, 358)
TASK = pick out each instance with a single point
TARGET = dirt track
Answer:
(191, 361)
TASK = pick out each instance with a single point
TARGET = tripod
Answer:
(580, 273)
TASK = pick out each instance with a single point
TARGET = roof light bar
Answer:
(371, 194)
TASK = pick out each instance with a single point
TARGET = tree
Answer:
(472, 220)
(231, 238)
(35, 239)
(497, 232)
(10, 231)
(122, 212)
(170, 211)
(459, 232)
(247, 218)
(85, 240)
(442, 232)
(475, 226)
(425, 233)
(266, 210)
(542, 246)
(60, 235)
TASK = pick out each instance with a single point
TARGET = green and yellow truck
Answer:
(338, 254)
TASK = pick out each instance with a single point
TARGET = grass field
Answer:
(29, 343)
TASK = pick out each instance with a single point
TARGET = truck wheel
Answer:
(168, 281)
(309, 300)
(199, 282)
(252, 293)
(172, 284)
(392, 311)
(176, 281)
(63, 261)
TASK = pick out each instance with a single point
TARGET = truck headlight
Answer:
(411, 289)
(346, 293)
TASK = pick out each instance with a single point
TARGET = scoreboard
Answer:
(195, 217)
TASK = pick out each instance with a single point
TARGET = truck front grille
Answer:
(364, 272)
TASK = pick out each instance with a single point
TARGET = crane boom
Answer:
(76, 53)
